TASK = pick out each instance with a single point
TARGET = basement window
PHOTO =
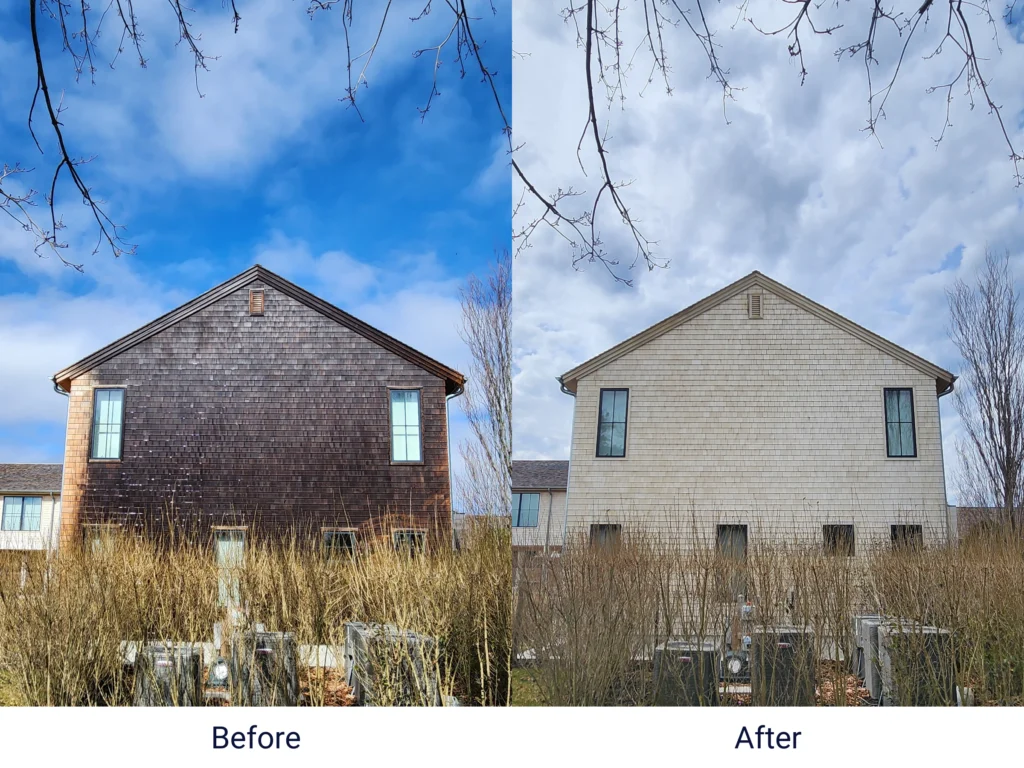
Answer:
(256, 302)
(906, 537)
(410, 542)
(339, 543)
(838, 539)
(605, 535)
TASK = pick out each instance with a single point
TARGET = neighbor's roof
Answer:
(943, 378)
(537, 475)
(453, 379)
(31, 478)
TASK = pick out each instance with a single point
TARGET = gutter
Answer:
(460, 389)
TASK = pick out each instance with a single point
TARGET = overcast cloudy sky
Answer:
(384, 218)
(791, 187)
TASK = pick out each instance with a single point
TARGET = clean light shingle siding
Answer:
(775, 423)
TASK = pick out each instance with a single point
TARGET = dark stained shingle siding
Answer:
(281, 418)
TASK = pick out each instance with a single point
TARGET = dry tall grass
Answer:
(64, 623)
(587, 623)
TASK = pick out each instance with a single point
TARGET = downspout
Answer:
(568, 475)
(547, 525)
(942, 455)
(460, 389)
(54, 542)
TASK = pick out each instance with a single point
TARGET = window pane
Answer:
(607, 407)
(907, 439)
(32, 513)
(230, 548)
(515, 509)
(620, 406)
(398, 445)
(618, 440)
(412, 446)
(529, 510)
(906, 410)
(412, 408)
(604, 440)
(893, 432)
(12, 514)
(891, 405)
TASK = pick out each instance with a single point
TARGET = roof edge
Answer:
(944, 379)
(454, 380)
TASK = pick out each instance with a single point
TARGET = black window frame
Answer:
(21, 514)
(517, 509)
(839, 539)
(906, 537)
(332, 551)
(605, 534)
(913, 422)
(625, 425)
(95, 415)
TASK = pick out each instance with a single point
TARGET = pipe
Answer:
(460, 389)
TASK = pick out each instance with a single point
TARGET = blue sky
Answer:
(384, 218)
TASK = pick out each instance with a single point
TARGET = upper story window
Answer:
(405, 425)
(22, 513)
(525, 508)
(900, 440)
(611, 423)
(107, 423)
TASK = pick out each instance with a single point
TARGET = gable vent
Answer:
(256, 302)
(754, 306)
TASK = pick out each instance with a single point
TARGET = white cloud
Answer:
(792, 187)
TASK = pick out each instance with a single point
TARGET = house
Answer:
(538, 506)
(30, 504)
(258, 408)
(758, 415)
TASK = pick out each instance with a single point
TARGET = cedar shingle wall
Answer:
(281, 419)
(775, 423)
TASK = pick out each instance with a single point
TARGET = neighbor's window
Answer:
(107, 423)
(405, 425)
(339, 543)
(410, 542)
(906, 536)
(838, 539)
(900, 441)
(611, 423)
(22, 513)
(525, 507)
(605, 534)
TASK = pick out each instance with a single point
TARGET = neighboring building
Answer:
(30, 504)
(538, 505)
(758, 415)
(258, 407)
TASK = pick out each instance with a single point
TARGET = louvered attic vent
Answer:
(754, 306)
(256, 302)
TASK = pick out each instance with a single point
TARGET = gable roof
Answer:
(943, 378)
(31, 478)
(454, 380)
(537, 475)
